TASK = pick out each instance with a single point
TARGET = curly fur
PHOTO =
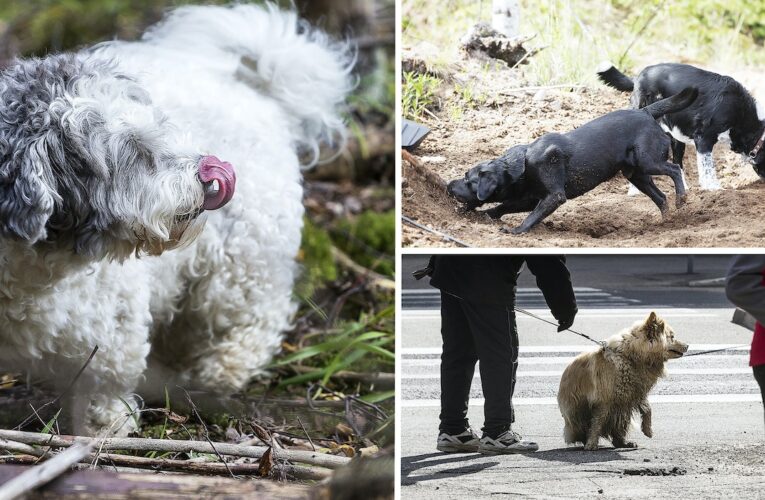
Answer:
(599, 391)
(100, 234)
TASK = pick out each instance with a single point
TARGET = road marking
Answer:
(657, 399)
(559, 360)
(433, 291)
(436, 351)
(619, 311)
(556, 373)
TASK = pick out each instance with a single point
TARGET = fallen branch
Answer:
(16, 447)
(194, 467)
(81, 484)
(544, 87)
(178, 446)
(431, 177)
(45, 472)
(374, 278)
(433, 231)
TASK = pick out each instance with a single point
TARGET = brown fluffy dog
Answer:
(600, 390)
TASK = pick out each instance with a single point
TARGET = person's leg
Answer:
(458, 359)
(496, 342)
(759, 376)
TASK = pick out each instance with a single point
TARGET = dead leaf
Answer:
(178, 419)
(266, 463)
(369, 451)
(261, 433)
(343, 430)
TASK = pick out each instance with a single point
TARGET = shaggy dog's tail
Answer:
(673, 103)
(612, 77)
(279, 55)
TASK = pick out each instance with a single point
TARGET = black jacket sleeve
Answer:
(554, 280)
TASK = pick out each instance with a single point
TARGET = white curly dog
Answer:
(106, 176)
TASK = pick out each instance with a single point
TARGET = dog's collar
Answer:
(757, 147)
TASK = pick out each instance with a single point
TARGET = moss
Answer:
(315, 257)
(369, 239)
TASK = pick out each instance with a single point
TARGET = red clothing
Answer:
(757, 354)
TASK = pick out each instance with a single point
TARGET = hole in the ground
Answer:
(655, 471)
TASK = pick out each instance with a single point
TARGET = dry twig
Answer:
(46, 472)
(178, 446)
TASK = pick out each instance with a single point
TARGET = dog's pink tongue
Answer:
(212, 169)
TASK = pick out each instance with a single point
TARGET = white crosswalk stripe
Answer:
(716, 377)
(525, 298)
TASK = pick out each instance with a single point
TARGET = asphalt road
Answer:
(707, 416)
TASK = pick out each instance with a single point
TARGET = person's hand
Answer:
(565, 323)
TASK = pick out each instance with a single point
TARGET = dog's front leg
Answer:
(545, 207)
(705, 163)
(511, 207)
(599, 416)
(645, 414)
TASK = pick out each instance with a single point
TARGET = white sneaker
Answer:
(507, 442)
(464, 442)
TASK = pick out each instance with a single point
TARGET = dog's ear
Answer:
(554, 155)
(27, 197)
(653, 326)
(487, 184)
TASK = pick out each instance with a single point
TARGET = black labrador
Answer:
(558, 167)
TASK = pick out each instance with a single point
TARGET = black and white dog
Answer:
(540, 177)
(724, 110)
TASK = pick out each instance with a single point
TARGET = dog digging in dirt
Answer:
(723, 111)
(599, 391)
(559, 167)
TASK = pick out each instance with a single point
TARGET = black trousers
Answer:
(477, 332)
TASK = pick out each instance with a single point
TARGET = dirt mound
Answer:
(604, 217)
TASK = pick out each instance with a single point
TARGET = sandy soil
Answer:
(604, 217)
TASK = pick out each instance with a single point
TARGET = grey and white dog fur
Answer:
(116, 228)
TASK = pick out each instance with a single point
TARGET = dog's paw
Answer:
(591, 446)
(493, 214)
(681, 200)
(625, 444)
(514, 230)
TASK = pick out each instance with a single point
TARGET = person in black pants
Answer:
(478, 324)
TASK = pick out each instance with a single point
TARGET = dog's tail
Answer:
(673, 103)
(277, 54)
(612, 77)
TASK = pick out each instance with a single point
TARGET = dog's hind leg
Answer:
(621, 425)
(645, 415)
(599, 417)
(678, 151)
(645, 185)
(671, 170)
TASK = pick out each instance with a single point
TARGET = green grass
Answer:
(365, 345)
(418, 94)
(579, 34)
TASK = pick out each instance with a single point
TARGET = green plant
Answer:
(316, 259)
(369, 239)
(418, 94)
(365, 345)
